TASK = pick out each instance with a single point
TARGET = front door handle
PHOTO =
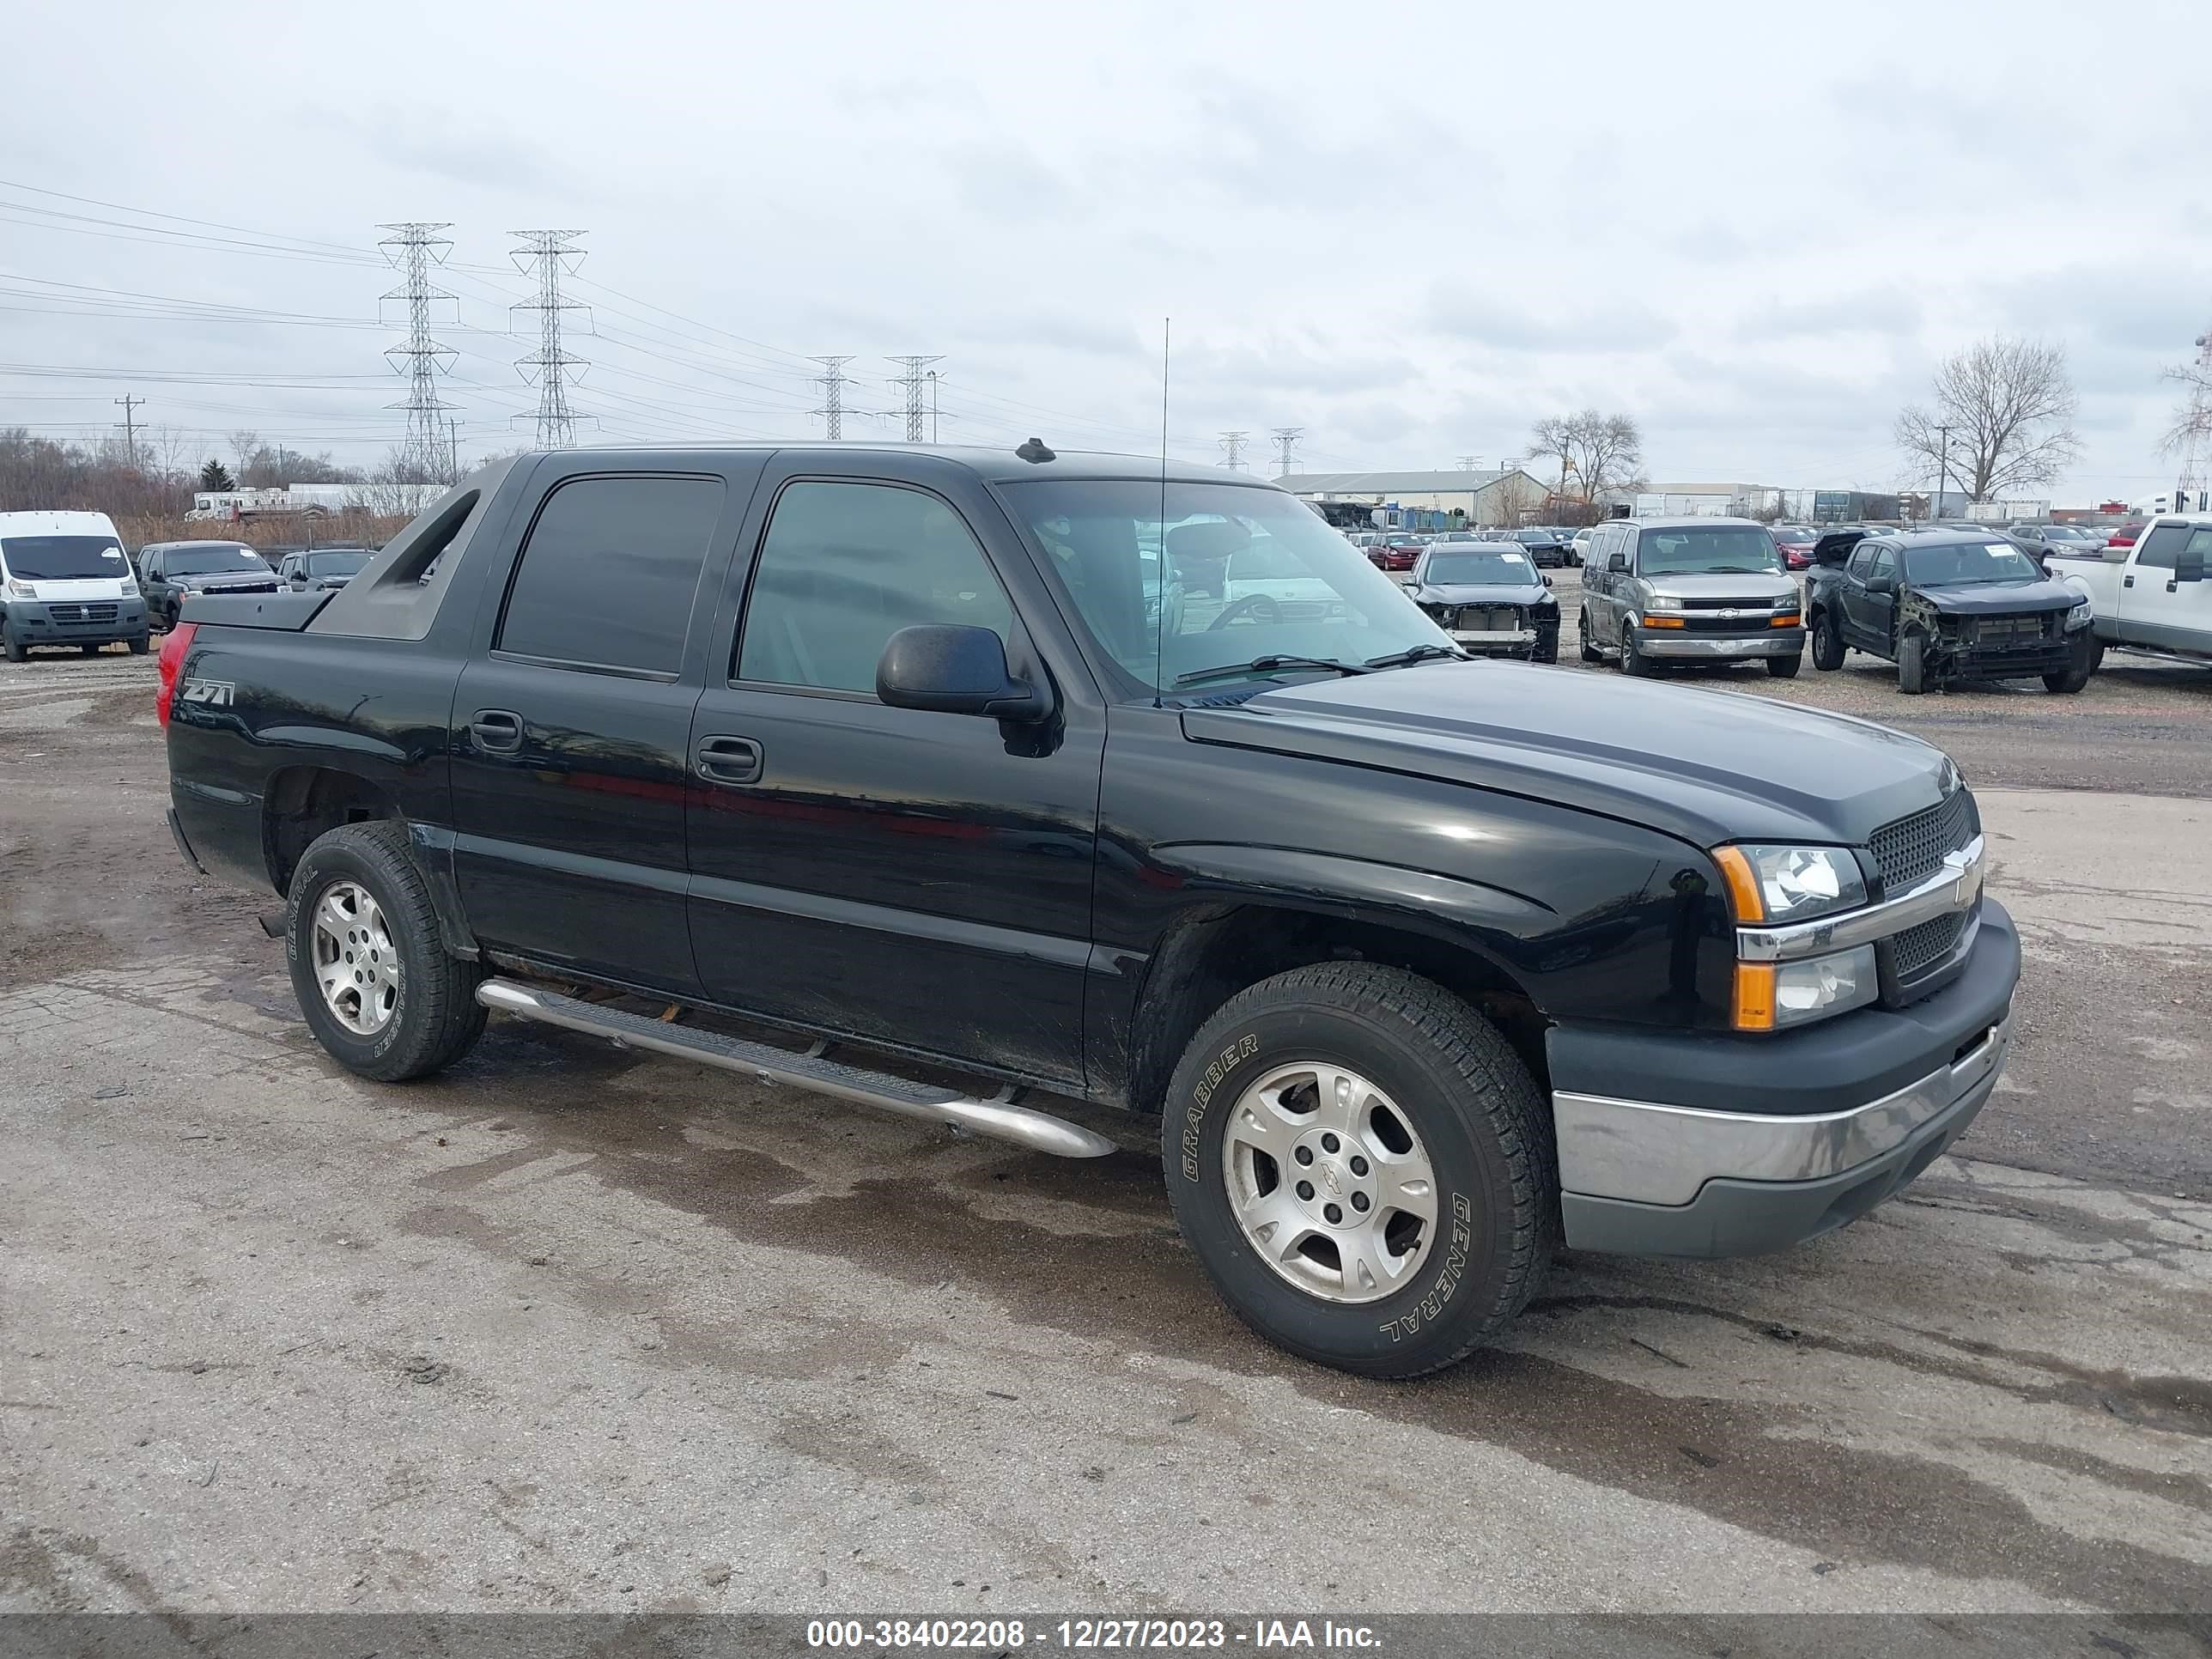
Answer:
(2128, 580)
(496, 732)
(728, 760)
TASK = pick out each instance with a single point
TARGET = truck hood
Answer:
(85, 587)
(2001, 599)
(1478, 593)
(1757, 587)
(1708, 766)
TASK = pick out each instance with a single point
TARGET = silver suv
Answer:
(1698, 590)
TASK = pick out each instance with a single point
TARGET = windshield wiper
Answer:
(1268, 666)
(1417, 654)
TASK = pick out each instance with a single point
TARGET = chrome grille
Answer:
(1909, 850)
(1922, 947)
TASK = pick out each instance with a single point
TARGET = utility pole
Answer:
(551, 252)
(1232, 448)
(1286, 439)
(414, 247)
(833, 384)
(453, 451)
(913, 381)
(1943, 476)
(130, 406)
(932, 405)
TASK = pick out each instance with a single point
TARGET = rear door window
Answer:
(608, 576)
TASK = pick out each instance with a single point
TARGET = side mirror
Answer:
(1618, 564)
(2189, 565)
(955, 670)
(1883, 583)
(1547, 581)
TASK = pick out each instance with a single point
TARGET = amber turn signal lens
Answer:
(1754, 996)
(1663, 622)
(1744, 901)
(1787, 619)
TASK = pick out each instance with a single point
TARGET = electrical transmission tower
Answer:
(1470, 462)
(552, 253)
(833, 386)
(2196, 444)
(1232, 450)
(1286, 438)
(414, 248)
(916, 382)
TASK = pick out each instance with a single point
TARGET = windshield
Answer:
(2065, 532)
(1252, 574)
(208, 560)
(65, 558)
(1967, 564)
(1721, 549)
(335, 564)
(1792, 533)
(1478, 564)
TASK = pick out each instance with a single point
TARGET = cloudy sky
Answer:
(1409, 230)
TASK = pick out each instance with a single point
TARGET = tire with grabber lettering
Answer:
(1363, 1166)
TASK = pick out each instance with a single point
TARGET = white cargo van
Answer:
(64, 581)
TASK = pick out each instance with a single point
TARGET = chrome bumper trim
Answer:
(1956, 886)
(1649, 1153)
(1776, 642)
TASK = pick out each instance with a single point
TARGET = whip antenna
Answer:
(1160, 609)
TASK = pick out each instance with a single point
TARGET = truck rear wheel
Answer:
(369, 965)
(1363, 1167)
(1827, 642)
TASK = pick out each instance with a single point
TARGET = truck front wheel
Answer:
(369, 965)
(2088, 657)
(1827, 642)
(1913, 664)
(1363, 1167)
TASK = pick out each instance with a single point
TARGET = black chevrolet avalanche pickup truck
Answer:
(873, 762)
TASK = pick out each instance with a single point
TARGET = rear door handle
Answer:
(728, 760)
(496, 732)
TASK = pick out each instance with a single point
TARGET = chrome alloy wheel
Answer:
(356, 962)
(1330, 1182)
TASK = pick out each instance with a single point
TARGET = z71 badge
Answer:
(215, 694)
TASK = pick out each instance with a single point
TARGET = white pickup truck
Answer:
(2154, 602)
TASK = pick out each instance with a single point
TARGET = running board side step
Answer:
(999, 1120)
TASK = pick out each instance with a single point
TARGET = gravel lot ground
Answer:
(569, 1329)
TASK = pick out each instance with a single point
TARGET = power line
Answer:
(553, 253)
(414, 247)
(1286, 438)
(914, 383)
(1232, 450)
(832, 385)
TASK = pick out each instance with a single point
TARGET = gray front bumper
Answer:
(1729, 647)
(68, 621)
(1643, 1179)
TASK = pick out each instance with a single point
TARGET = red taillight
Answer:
(178, 641)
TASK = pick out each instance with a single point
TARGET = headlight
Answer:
(20, 590)
(1663, 602)
(1775, 884)
(2080, 616)
(1773, 996)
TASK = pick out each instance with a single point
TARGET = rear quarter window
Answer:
(610, 571)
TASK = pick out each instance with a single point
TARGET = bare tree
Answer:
(1595, 453)
(2001, 418)
(243, 444)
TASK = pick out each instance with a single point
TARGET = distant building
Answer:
(1700, 499)
(1402, 500)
